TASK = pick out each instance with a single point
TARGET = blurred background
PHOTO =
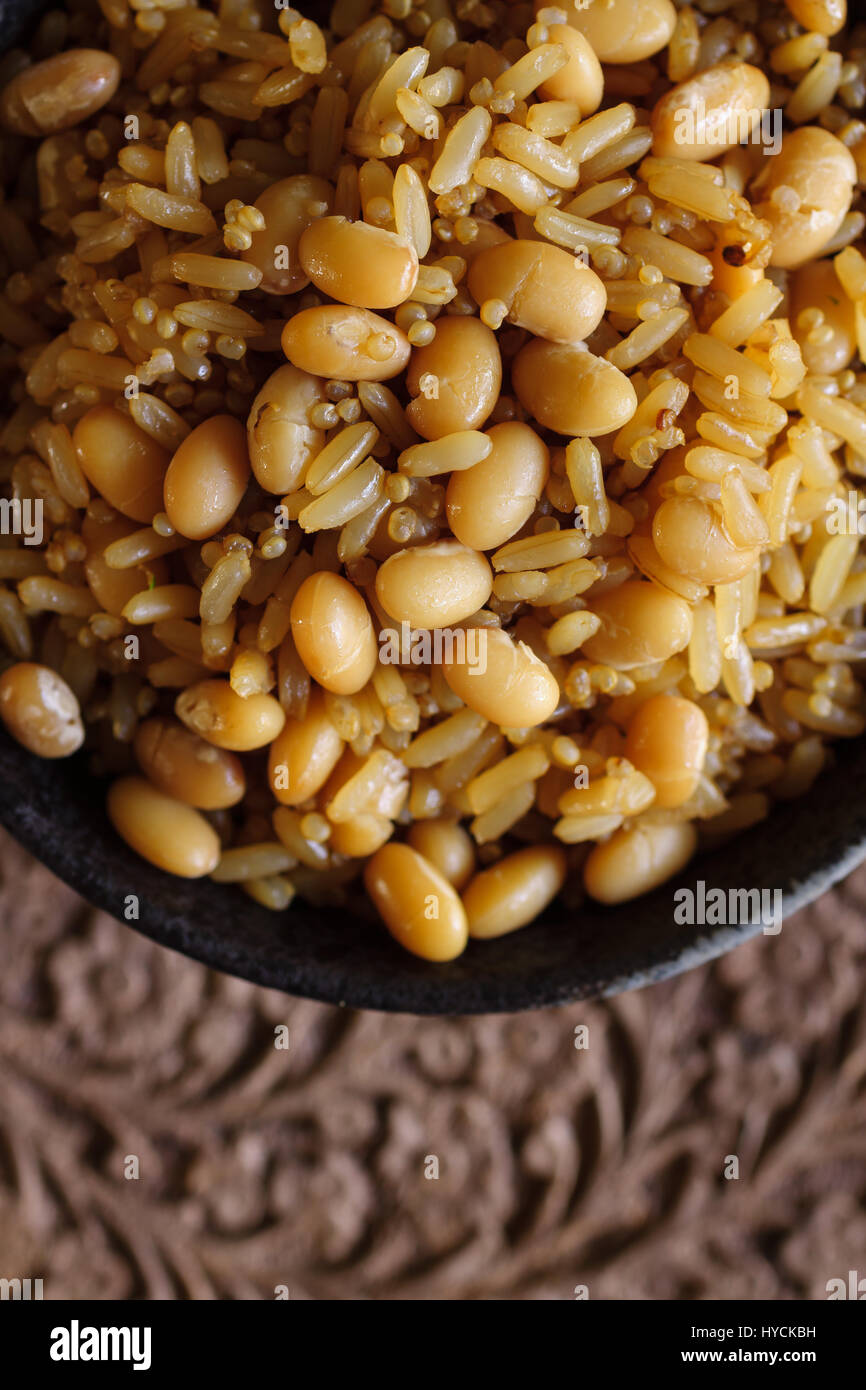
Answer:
(308, 1166)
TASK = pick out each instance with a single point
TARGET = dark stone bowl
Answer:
(56, 810)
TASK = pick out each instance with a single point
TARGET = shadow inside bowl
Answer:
(56, 810)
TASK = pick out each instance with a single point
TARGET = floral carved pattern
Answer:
(305, 1167)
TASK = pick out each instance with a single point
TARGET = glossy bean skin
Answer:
(488, 503)
(699, 119)
(333, 633)
(286, 207)
(581, 80)
(207, 478)
(184, 766)
(546, 289)
(640, 625)
(40, 711)
(303, 756)
(59, 92)
(358, 264)
(816, 286)
(819, 16)
(634, 861)
(514, 891)
(114, 588)
(667, 740)
(164, 831)
(217, 714)
(691, 539)
(280, 438)
(626, 31)
(569, 390)
(455, 380)
(362, 836)
(819, 172)
(417, 904)
(509, 684)
(434, 586)
(123, 463)
(447, 846)
(334, 341)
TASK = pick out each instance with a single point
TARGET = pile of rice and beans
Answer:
(433, 445)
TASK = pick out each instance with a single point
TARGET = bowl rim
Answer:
(217, 926)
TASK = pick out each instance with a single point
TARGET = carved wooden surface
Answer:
(306, 1167)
